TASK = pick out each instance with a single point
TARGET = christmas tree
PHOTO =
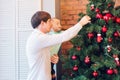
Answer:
(96, 49)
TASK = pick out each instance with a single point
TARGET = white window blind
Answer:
(7, 40)
(25, 10)
(15, 27)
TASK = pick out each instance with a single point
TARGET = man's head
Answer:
(56, 26)
(42, 21)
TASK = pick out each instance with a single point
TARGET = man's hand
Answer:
(54, 58)
(85, 20)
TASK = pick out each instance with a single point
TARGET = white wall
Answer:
(49, 6)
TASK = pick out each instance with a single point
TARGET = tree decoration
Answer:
(115, 71)
(92, 7)
(116, 34)
(95, 73)
(90, 35)
(78, 48)
(75, 68)
(110, 71)
(110, 40)
(116, 59)
(99, 16)
(104, 29)
(97, 10)
(99, 38)
(107, 17)
(74, 57)
(87, 60)
(118, 20)
(108, 48)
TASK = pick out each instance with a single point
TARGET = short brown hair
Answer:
(38, 17)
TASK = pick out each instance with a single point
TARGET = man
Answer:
(39, 44)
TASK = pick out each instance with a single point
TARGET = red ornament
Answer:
(118, 20)
(95, 73)
(109, 40)
(92, 7)
(104, 29)
(107, 17)
(116, 34)
(74, 57)
(117, 61)
(87, 60)
(115, 71)
(99, 38)
(99, 16)
(78, 48)
(108, 48)
(114, 18)
(75, 68)
(71, 74)
(97, 10)
(110, 71)
(90, 35)
(115, 55)
(109, 5)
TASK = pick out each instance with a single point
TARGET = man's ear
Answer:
(42, 22)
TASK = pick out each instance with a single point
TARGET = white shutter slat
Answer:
(7, 54)
(23, 63)
(7, 40)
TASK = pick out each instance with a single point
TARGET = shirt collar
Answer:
(38, 31)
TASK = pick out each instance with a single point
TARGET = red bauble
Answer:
(90, 35)
(117, 61)
(114, 18)
(108, 48)
(87, 60)
(116, 34)
(75, 68)
(110, 71)
(115, 55)
(109, 40)
(97, 10)
(115, 71)
(78, 48)
(74, 57)
(118, 20)
(104, 29)
(95, 73)
(71, 74)
(99, 16)
(92, 7)
(107, 17)
(99, 38)
(109, 5)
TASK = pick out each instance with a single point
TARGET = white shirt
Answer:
(38, 51)
(55, 48)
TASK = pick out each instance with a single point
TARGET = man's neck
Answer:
(41, 29)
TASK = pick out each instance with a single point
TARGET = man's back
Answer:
(39, 59)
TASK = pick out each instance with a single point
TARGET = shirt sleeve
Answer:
(48, 40)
